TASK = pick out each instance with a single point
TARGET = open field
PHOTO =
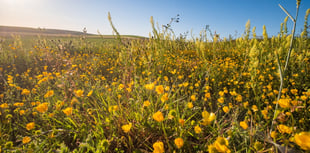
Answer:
(90, 94)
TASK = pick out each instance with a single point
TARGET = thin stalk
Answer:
(292, 39)
(279, 94)
(282, 73)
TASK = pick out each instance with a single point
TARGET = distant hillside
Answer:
(8, 31)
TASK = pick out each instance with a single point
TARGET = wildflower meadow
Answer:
(159, 94)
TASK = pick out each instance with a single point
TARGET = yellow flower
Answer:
(284, 103)
(164, 97)
(146, 103)
(21, 112)
(90, 93)
(4, 105)
(207, 117)
(42, 108)
(49, 94)
(181, 121)
(150, 86)
(244, 125)
(197, 129)
(159, 89)
(239, 98)
(126, 128)
(221, 100)
(30, 126)
(212, 149)
(79, 93)
(158, 147)
(221, 145)
(284, 129)
(190, 105)
(26, 139)
(265, 114)
(254, 108)
(67, 111)
(18, 104)
(303, 97)
(302, 139)
(121, 86)
(245, 104)
(113, 108)
(158, 116)
(193, 98)
(179, 142)
(273, 134)
(294, 91)
(25, 92)
(225, 109)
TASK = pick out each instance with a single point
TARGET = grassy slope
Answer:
(7, 31)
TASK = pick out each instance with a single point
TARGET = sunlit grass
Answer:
(154, 95)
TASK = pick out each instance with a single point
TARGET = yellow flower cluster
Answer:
(207, 118)
(219, 146)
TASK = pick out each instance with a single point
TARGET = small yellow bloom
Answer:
(190, 105)
(244, 125)
(239, 98)
(159, 89)
(158, 116)
(221, 145)
(25, 92)
(121, 86)
(4, 105)
(302, 139)
(26, 139)
(294, 91)
(254, 108)
(158, 147)
(273, 134)
(30, 126)
(150, 86)
(225, 109)
(49, 94)
(21, 112)
(265, 114)
(113, 108)
(18, 104)
(126, 128)
(79, 93)
(179, 142)
(207, 117)
(164, 97)
(284, 129)
(90, 93)
(67, 111)
(212, 149)
(245, 104)
(193, 98)
(42, 108)
(197, 129)
(146, 103)
(284, 103)
(221, 100)
(182, 122)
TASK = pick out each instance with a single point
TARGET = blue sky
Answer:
(132, 17)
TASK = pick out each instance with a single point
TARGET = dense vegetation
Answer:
(158, 94)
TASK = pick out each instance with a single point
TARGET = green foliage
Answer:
(94, 95)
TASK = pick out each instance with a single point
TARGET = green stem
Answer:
(292, 39)
(166, 137)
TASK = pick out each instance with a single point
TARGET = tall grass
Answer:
(157, 94)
